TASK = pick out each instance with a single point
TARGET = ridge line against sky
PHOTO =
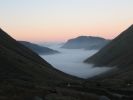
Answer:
(59, 20)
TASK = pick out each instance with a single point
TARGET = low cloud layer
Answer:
(71, 62)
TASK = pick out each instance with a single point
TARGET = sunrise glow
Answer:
(59, 20)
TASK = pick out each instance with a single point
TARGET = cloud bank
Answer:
(71, 62)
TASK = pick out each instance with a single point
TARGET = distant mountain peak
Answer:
(85, 42)
(89, 37)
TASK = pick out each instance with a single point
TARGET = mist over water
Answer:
(70, 61)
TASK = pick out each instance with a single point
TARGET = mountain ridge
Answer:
(85, 42)
(116, 47)
(38, 48)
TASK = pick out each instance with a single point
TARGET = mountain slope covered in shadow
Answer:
(39, 49)
(23, 72)
(15, 55)
(118, 54)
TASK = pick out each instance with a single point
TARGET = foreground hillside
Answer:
(85, 42)
(118, 54)
(39, 49)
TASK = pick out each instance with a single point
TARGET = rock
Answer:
(104, 98)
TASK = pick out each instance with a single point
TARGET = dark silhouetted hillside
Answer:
(23, 73)
(85, 42)
(16, 57)
(118, 53)
(39, 49)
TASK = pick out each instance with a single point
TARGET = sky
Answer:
(59, 20)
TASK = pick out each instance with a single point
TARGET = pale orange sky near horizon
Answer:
(60, 20)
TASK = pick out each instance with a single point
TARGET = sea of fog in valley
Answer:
(70, 61)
